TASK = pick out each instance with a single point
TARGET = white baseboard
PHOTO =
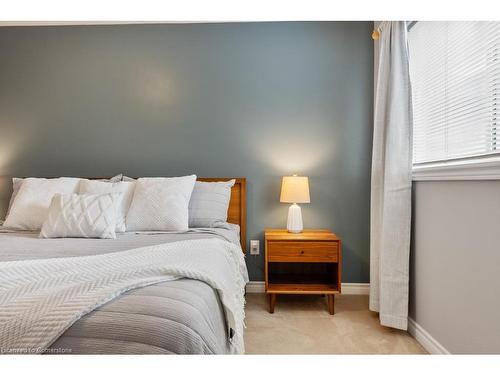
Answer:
(356, 288)
(425, 339)
(255, 287)
(347, 288)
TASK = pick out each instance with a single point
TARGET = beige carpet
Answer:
(302, 325)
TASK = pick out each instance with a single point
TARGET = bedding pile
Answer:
(143, 204)
(171, 281)
(41, 298)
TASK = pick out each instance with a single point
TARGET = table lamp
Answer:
(294, 189)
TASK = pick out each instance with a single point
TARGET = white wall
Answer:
(455, 268)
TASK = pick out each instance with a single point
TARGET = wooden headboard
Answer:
(237, 211)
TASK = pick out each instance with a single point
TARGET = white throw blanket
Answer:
(40, 299)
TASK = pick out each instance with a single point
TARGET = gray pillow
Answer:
(209, 203)
(16, 185)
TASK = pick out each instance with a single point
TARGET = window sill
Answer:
(487, 168)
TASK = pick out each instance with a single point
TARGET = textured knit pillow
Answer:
(30, 206)
(101, 187)
(82, 215)
(209, 203)
(160, 203)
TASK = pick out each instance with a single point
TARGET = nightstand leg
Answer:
(272, 302)
(331, 304)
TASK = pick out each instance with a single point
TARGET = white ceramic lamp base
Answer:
(294, 222)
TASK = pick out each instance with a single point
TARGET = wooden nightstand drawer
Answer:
(306, 251)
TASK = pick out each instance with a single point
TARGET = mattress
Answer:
(175, 317)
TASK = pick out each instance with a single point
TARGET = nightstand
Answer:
(303, 263)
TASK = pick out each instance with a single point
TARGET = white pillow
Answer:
(82, 215)
(100, 187)
(16, 184)
(161, 203)
(209, 203)
(31, 204)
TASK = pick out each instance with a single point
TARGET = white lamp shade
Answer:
(295, 189)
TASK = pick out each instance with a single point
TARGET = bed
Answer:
(180, 316)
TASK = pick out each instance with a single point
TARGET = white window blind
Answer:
(455, 77)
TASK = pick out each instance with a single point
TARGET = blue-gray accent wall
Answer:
(258, 100)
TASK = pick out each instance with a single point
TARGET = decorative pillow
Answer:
(30, 206)
(100, 187)
(161, 203)
(209, 203)
(16, 184)
(82, 215)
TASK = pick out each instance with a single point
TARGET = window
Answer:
(455, 75)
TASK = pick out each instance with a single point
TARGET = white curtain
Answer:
(391, 179)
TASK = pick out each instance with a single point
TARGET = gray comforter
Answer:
(182, 316)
